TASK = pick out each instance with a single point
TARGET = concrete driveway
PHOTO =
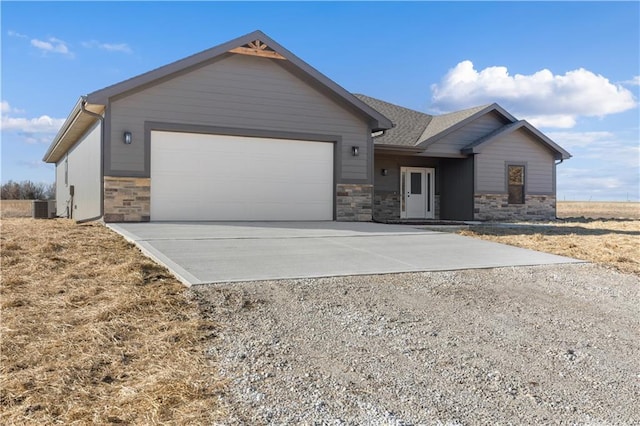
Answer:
(214, 252)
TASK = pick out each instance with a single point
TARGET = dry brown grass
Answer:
(598, 210)
(16, 208)
(613, 243)
(94, 332)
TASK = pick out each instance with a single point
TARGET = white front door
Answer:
(417, 187)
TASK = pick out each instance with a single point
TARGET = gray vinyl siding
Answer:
(456, 194)
(458, 139)
(518, 147)
(84, 174)
(237, 91)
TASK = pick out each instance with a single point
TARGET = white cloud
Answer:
(42, 124)
(579, 139)
(53, 45)
(5, 108)
(635, 81)
(597, 184)
(32, 130)
(111, 47)
(545, 99)
(12, 33)
(618, 149)
(605, 165)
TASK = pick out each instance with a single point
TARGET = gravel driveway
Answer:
(526, 345)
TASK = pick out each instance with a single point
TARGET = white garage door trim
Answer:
(198, 176)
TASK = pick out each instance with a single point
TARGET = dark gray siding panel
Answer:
(456, 189)
(458, 139)
(391, 182)
(519, 147)
(238, 91)
(84, 174)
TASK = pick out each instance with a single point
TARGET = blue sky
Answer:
(572, 69)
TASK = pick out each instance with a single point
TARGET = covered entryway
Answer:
(219, 177)
(417, 189)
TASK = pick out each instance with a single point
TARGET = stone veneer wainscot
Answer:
(497, 207)
(354, 202)
(126, 199)
(386, 206)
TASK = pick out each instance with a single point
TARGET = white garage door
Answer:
(217, 177)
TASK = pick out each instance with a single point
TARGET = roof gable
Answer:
(477, 146)
(257, 44)
(419, 130)
(442, 125)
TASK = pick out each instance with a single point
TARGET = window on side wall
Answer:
(516, 184)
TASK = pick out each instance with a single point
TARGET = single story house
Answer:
(248, 131)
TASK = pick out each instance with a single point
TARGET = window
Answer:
(516, 184)
(66, 171)
(416, 183)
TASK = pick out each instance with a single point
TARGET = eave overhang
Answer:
(76, 124)
(477, 146)
(398, 148)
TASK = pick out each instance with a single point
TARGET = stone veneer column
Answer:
(386, 206)
(126, 199)
(497, 207)
(354, 202)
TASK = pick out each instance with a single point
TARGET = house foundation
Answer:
(496, 207)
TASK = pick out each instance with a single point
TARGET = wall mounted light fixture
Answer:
(355, 151)
(127, 138)
(385, 172)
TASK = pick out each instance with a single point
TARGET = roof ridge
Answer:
(477, 107)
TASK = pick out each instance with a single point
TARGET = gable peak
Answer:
(257, 48)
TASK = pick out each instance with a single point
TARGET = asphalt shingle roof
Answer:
(413, 127)
(440, 123)
(409, 124)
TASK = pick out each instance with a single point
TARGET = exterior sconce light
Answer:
(385, 172)
(355, 151)
(127, 138)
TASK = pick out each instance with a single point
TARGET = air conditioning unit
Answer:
(43, 209)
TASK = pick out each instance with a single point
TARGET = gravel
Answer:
(546, 344)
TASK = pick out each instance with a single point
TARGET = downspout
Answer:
(555, 173)
(101, 118)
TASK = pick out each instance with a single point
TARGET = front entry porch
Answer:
(414, 188)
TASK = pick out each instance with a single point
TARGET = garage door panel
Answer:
(215, 177)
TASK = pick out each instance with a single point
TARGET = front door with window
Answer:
(417, 188)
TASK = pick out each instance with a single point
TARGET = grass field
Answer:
(598, 210)
(580, 233)
(95, 333)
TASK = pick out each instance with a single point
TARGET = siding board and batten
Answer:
(242, 92)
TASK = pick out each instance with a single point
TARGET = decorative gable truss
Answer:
(257, 48)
